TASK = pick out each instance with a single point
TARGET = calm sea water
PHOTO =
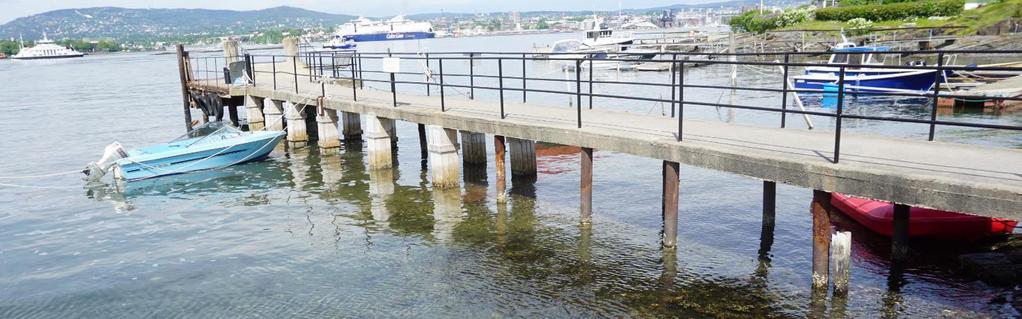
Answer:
(314, 234)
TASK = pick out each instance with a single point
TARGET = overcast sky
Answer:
(12, 9)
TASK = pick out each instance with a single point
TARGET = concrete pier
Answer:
(296, 129)
(326, 120)
(443, 156)
(351, 126)
(473, 148)
(378, 142)
(273, 112)
(523, 157)
(254, 112)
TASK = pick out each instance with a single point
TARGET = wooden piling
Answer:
(498, 146)
(821, 239)
(182, 58)
(670, 203)
(473, 148)
(766, 233)
(586, 186)
(351, 126)
(523, 157)
(899, 237)
(841, 253)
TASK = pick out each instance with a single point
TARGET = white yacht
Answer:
(46, 49)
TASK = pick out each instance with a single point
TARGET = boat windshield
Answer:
(208, 129)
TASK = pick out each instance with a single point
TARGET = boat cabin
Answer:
(852, 55)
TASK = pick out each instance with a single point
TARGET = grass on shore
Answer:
(973, 20)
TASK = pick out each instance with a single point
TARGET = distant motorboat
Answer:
(341, 42)
(865, 71)
(210, 146)
(46, 49)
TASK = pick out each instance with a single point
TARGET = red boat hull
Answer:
(923, 222)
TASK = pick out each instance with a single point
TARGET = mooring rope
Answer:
(42, 175)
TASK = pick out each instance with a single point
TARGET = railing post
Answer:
(674, 80)
(443, 104)
(523, 77)
(427, 78)
(784, 93)
(500, 83)
(578, 90)
(840, 110)
(681, 97)
(273, 63)
(361, 84)
(471, 78)
(321, 65)
(333, 65)
(591, 83)
(393, 85)
(250, 67)
(354, 90)
(294, 63)
(936, 93)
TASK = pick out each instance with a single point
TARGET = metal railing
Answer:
(324, 66)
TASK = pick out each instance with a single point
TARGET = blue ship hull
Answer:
(875, 82)
(367, 37)
(183, 157)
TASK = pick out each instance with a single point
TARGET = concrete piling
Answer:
(326, 120)
(296, 130)
(841, 252)
(377, 136)
(273, 111)
(586, 186)
(254, 113)
(498, 147)
(351, 126)
(670, 203)
(821, 239)
(523, 157)
(473, 148)
(443, 156)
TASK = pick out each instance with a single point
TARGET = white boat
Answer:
(46, 49)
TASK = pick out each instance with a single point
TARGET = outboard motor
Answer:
(96, 170)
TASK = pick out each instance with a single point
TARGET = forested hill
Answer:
(154, 24)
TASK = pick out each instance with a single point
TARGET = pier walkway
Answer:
(976, 179)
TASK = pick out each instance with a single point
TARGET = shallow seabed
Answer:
(310, 233)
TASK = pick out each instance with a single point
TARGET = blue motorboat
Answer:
(210, 146)
(865, 71)
(341, 42)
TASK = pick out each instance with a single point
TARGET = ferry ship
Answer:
(397, 28)
(46, 49)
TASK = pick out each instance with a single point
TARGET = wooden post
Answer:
(821, 239)
(182, 57)
(841, 252)
(498, 146)
(351, 126)
(523, 157)
(670, 203)
(899, 237)
(473, 148)
(586, 187)
(766, 234)
(423, 149)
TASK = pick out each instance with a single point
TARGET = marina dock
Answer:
(940, 175)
